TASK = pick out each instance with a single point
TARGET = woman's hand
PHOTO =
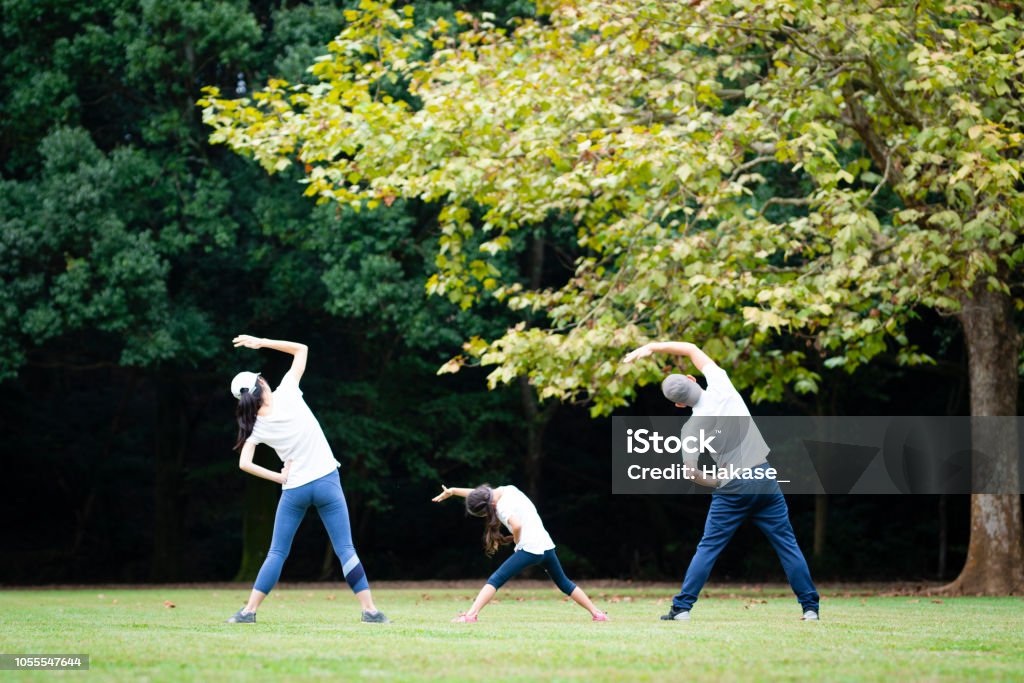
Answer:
(445, 494)
(284, 472)
(248, 341)
(636, 354)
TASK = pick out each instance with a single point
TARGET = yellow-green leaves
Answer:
(751, 172)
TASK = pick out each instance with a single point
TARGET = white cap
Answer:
(244, 380)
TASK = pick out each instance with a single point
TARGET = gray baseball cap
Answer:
(681, 389)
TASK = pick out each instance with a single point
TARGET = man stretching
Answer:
(732, 500)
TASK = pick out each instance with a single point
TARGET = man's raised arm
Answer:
(691, 351)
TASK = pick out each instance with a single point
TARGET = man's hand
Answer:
(445, 494)
(284, 472)
(636, 354)
(248, 341)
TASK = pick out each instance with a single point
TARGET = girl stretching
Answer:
(282, 420)
(509, 506)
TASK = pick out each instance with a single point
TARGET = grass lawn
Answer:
(531, 633)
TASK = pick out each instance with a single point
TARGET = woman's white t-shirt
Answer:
(533, 537)
(293, 432)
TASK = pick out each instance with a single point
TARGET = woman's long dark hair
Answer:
(478, 504)
(248, 405)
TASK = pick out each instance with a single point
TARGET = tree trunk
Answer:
(821, 499)
(820, 525)
(169, 450)
(536, 424)
(995, 552)
(535, 418)
(327, 563)
(258, 509)
(943, 537)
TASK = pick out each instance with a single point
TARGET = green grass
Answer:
(530, 634)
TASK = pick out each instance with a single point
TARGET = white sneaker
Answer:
(809, 615)
(676, 614)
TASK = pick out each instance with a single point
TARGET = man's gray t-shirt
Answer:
(722, 413)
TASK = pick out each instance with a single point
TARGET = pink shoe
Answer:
(600, 616)
(464, 619)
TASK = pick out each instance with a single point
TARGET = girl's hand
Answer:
(445, 494)
(248, 341)
(284, 472)
(636, 354)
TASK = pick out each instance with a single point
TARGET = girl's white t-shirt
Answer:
(294, 433)
(533, 537)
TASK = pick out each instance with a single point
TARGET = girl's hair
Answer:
(478, 504)
(248, 405)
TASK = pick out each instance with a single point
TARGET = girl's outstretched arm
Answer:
(299, 351)
(447, 493)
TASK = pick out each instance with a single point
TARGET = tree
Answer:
(131, 250)
(652, 124)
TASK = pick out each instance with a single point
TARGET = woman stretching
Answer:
(509, 506)
(282, 420)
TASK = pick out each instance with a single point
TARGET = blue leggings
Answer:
(325, 493)
(521, 559)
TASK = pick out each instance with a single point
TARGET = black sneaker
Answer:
(676, 614)
(242, 617)
(374, 617)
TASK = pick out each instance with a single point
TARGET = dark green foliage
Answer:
(75, 256)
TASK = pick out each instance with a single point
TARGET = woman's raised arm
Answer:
(299, 351)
